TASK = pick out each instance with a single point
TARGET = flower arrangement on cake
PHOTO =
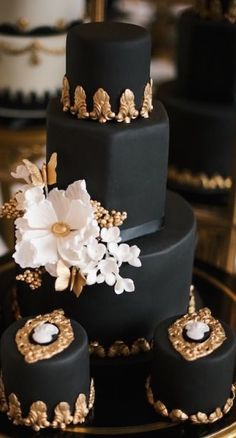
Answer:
(66, 233)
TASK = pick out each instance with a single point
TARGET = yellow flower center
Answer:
(60, 229)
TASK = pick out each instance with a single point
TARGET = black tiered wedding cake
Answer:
(201, 102)
(123, 160)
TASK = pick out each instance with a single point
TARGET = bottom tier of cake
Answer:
(161, 289)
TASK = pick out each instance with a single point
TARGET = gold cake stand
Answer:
(136, 418)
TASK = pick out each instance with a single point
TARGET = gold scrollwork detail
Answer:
(102, 110)
(198, 180)
(191, 350)
(120, 349)
(80, 106)
(198, 418)
(38, 417)
(35, 352)
(101, 107)
(147, 106)
(34, 49)
(3, 401)
(127, 110)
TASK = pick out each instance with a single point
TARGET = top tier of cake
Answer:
(206, 58)
(111, 56)
(26, 15)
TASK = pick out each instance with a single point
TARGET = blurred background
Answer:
(202, 165)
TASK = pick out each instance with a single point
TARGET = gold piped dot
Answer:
(60, 229)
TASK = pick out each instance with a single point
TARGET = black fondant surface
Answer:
(60, 378)
(192, 386)
(206, 58)
(124, 165)
(112, 56)
(202, 135)
(161, 285)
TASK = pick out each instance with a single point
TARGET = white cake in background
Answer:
(32, 51)
(32, 65)
(27, 15)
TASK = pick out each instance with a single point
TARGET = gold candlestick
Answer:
(97, 10)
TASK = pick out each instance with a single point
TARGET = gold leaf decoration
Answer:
(101, 107)
(91, 395)
(191, 350)
(62, 416)
(35, 352)
(190, 179)
(71, 278)
(14, 410)
(65, 94)
(81, 409)
(80, 106)
(34, 49)
(119, 348)
(96, 349)
(37, 418)
(3, 401)
(127, 110)
(46, 176)
(177, 415)
(141, 345)
(147, 106)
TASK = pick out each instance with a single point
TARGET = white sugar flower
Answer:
(57, 228)
(27, 198)
(123, 284)
(125, 253)
(77, 190)
(108, 271)
(109, 235)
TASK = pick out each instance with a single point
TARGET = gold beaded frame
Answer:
(37, 417)
(191, 350)
(35, 352)
(199, 418)
(102, 110)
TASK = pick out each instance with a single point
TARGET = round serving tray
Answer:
(121, 408)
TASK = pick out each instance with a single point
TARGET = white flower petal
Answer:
(41, 216)
(128, 285)
(110, 279)
(78, 214)
(110, 234)
(77, 190)
(60, 203)
(119, 286)
(25, 255)
(91, 277)
(45, 250)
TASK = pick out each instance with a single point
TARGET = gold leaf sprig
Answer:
(33, 277)
(108, 219)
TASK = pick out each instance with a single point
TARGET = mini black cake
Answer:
(45, 372)
(193, 368)
(201, 102)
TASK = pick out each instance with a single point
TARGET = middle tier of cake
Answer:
(124, 165)
(161, 286)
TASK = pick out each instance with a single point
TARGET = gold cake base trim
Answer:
(38, 418)
(177, 415)
(201, 180)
